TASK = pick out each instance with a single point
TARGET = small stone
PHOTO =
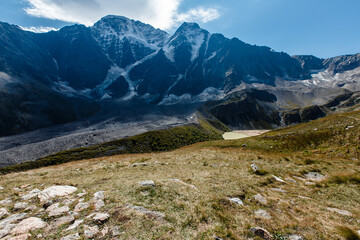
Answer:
(1, 188)
(278, 190)
(101, 217)
(99, 204)
(62, 221)
(12, 219)
(237, 201)
(91, 231)
(99, 195)
(25, 186)
(314, 176)
(341, 212)
(81, 206)
(56, 191)
(145, 211)
(278, 179)
(290, 180)
(31, 194)
(5, 202)
(31, 208)
(296, 237)
(217, 238)
(147, 183)
(262, 214)
(260, 232)
(20, 206)
(74, 236)
(261, 199)
(254, 167)
(306, 198)
(3, 212)
(55, 210)
(68, 202)
(358, 232)
(75, 225)
(104, 231)
(16, 189)
(116, 231)
(28, 224)
(19, 237)
(310, 183)
(80, 194)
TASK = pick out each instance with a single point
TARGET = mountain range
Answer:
(66, 75)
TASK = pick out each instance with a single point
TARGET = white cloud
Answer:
(39, 29)
(163, 14)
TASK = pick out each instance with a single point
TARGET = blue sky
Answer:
(324, 28)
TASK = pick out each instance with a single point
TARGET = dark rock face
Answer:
(80, 60)
(342, 63)
(246, 109)
(309, 62)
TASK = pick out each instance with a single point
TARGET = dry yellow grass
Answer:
(218, 174)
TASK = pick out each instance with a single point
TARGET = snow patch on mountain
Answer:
(5, 79)
(209, 94)
(169, 52)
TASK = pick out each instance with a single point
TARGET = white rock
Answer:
(75, 225)
(254, 167)
(278, 190)
(75, 236)
(237, 201)
(99, 195)
(278, 179)
(81, 206)
(296, 237)
(6, 230)
(290, 180)
(61, 221)
(55, 210)
(3, 212)
(116, 231)
(145, 211)
(101, 217)
(19, 237)
(91, 231)
(104, 231)
(147, 183)
(262, 214)
(12, 219)
(314, 176)
(261, 199)
(310, 183)
(67, 202)
(20, 206)
(55, 191)
(31, 194)
(1, 188)
(5, 202)
(99, 204)
(341, 212)
(28, 224)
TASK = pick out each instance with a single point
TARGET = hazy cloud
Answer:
(163, 14)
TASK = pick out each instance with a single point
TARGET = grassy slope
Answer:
(153, 141)
(220, 170)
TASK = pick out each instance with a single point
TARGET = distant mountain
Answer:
(127, 60)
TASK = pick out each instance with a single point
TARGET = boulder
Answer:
(314, 176)
(55, 191)
(90, 232)
(75, 225)
(20, 206)
(28, 224)
(55, 210)
(262, 214)
(31, 194)
(261, 199)
(81, 207)
(101, 217)
(237, 201)
(3, 212)
(74, 236)
(261, 232)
